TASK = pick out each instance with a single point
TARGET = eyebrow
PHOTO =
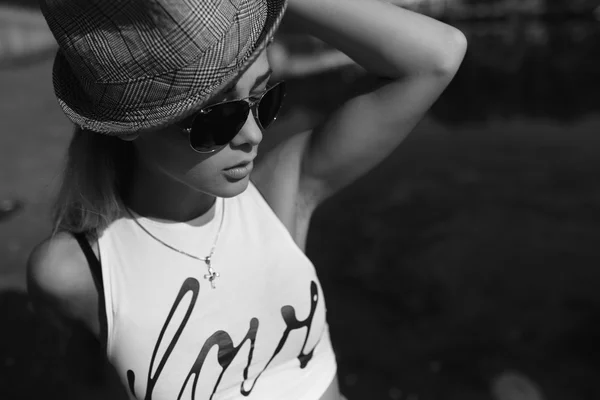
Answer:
(259, 80)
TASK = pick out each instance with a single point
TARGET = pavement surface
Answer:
(24, 35)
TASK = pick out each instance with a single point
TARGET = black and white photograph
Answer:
(300, 199)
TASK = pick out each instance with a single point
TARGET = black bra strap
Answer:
(96, 270)
(92, 260)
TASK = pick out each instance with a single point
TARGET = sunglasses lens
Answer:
(270, 104)
(218, 125)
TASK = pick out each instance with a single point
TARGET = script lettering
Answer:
(227, 351)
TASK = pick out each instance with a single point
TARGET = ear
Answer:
(129, 136)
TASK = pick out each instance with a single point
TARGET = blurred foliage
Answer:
(522, 67)
(530, 68)
(22, 3)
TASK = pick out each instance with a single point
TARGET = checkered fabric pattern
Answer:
(126, 66)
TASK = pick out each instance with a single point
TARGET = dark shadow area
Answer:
(30, 366)
(532, 68)
(32, 4)
(480, 259)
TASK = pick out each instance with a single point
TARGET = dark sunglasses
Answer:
(216, 125)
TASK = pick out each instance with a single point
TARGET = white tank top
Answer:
(260, 334)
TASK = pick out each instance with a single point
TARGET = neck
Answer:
(154, 194)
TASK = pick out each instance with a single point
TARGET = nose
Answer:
(249, 135)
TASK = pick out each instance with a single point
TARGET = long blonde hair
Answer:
(98, 168)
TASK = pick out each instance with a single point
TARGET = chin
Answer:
(233, 187)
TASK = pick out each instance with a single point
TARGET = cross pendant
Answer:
(212, 274)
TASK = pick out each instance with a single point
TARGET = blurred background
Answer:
(466, 266)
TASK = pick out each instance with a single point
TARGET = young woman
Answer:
(177, 269)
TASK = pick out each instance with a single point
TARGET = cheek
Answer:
(164, 152)
(172, 156)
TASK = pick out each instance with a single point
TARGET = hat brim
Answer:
(84, 112)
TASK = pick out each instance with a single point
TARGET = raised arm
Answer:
(416, 57)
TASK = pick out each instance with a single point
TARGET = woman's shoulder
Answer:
(59, 279)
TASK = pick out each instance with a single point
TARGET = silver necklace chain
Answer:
(212, 274)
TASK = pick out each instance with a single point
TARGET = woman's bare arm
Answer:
(287, 65)
(62, 293)
(416, 57)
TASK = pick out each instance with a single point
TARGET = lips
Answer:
(240, 165)
(239, 171)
